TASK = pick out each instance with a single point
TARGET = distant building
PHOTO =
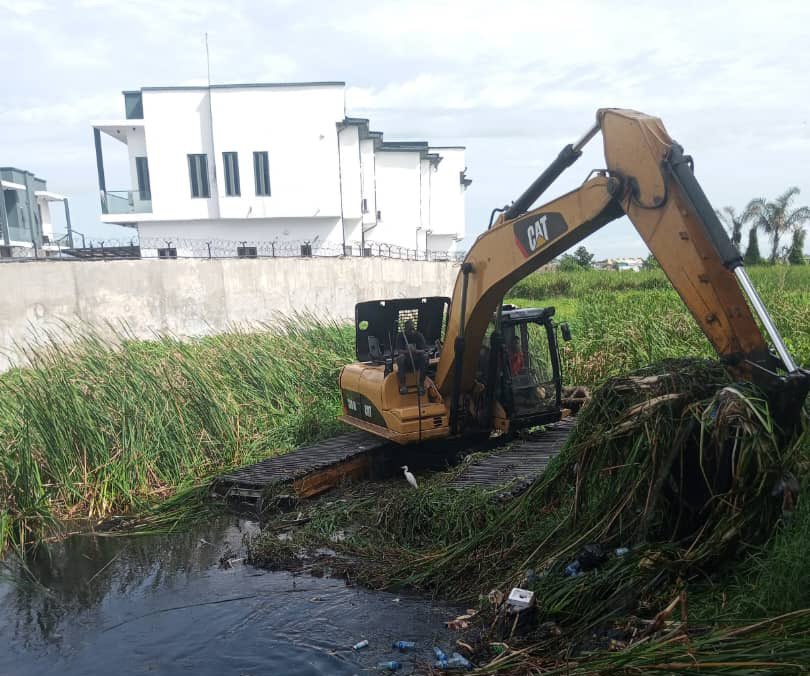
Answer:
(26, 228)
(620, 264)
(277, 163)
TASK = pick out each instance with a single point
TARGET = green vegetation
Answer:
(644, 469)
(90, 432)
(581, 259)
(623, 321)
(776, 219)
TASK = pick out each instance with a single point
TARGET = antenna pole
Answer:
(207, 59)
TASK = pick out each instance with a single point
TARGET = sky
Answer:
(512, 81)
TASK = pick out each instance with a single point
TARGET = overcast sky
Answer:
(513, 81)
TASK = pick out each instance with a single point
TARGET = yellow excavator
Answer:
(495, 367)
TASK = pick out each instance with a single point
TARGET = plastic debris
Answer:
(392, 665)
(441, 656)
(456, 661)
(573, 569)
(403, 646)
(460, 660)
(621, 551)
(359, 646)
(520, 599)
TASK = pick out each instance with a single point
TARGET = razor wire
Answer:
(198, 248)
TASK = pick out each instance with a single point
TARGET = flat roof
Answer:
(22, 171)
(403, 146)
(237, 85)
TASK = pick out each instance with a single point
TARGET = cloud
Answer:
(514, 81)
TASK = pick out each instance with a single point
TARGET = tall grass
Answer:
(622, 320)
(90, 431)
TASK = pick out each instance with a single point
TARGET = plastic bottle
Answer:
(459, 660)
(403, 646)
(455, 662)
(393, 665)
(440, 654)
(359, 646)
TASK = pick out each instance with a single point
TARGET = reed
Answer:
(92, 431)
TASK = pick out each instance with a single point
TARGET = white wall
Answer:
(447, 194)
(398, 198)
(426, 170)
(350, 175)
(369, 187)
(196, 297)
(45, 213)
(176, 124)
(297, 126)
(136, 147)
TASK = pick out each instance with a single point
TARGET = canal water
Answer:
(151, 605)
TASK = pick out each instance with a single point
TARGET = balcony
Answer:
(126, 202)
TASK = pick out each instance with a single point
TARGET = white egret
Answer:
(410, 478)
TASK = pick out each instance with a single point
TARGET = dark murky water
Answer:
(162, 605)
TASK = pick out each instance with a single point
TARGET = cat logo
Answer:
(537, 229)
(534, 231)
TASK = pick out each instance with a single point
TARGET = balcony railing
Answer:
(126, 202)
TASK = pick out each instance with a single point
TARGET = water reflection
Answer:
(163, 604)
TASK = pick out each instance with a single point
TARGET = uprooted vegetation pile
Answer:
(674, 462)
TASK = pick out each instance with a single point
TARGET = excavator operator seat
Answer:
(378, 322)
(375, 352)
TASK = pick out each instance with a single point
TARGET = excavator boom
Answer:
(648, 179)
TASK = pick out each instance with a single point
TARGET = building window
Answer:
(168, 252)
(198, 175)
(247, 252)
(133, 105)
(231, 163)
(261, 171)
(142, 169)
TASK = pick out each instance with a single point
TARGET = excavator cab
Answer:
(520, 371)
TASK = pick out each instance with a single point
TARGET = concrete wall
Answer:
(196, 297)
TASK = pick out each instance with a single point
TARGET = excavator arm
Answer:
(650, 180)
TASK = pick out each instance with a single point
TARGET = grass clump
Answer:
(91, 431)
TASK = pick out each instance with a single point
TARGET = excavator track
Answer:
(519, 465)
(308, 471)
(314, 469)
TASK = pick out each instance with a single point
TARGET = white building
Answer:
(275, 166)
(26, 225)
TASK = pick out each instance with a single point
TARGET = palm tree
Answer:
(735, 222)
(777, 219)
